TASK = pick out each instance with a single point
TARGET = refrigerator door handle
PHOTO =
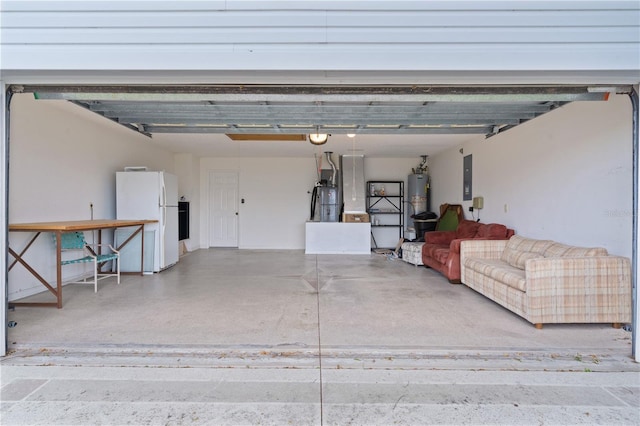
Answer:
(163, 195)
(164, 218)
(164, 228)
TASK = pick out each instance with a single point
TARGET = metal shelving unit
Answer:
(385, 205)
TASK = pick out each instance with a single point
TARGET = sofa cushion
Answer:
(528, 244)
(429, 250)
(439, 237)
(467, 229)
(563, 250)
(499, 271)
(492, 230)
(440, 254)
(518, 259)
(520, 249)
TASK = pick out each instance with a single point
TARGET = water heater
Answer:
(417, 195)
(329, 211)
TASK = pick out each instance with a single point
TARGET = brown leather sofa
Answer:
(441, 250)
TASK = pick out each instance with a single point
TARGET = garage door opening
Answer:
(430, 111)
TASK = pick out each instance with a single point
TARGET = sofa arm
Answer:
(439, 237)
(485, 249)
(579, 289)
(544, 273)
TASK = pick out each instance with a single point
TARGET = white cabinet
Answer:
(337, 238)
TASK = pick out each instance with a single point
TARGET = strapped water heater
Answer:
(327, 192)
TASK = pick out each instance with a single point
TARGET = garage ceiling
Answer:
(337, 110)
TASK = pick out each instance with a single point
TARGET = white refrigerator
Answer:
(152, 195)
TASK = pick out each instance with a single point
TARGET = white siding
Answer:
(322, 35)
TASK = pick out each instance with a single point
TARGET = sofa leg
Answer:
(538, 325)
(616, 325)
(455, 282)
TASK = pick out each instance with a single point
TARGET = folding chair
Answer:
(74, 242)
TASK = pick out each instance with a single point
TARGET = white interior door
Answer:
(223, 209)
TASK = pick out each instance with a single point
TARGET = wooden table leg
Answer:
(141, 249)
(33, 271)
(18, 258)
(140, 230)
(59, 267)
(99, 251)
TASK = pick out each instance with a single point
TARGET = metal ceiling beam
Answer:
(126, 124)
(160, 97)
(249, 108)
(294, 115)
(306, 121)
(339, 109)
(258, 93)
(360, 130)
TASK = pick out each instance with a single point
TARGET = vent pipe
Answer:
(424, 161)
(333, 168)
(422, 168)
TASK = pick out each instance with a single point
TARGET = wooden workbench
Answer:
(68, 226)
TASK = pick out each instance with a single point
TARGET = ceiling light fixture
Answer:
(351, 135)
(318, 138)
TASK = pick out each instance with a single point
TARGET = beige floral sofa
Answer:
(547, 282)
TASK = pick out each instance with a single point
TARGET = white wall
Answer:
(277, 196)
(62, 159)
(389, 168)
(276, 200)
(565, 176)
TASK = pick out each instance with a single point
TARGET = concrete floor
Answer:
(271, 337)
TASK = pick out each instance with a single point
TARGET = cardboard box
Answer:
(355, 217)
